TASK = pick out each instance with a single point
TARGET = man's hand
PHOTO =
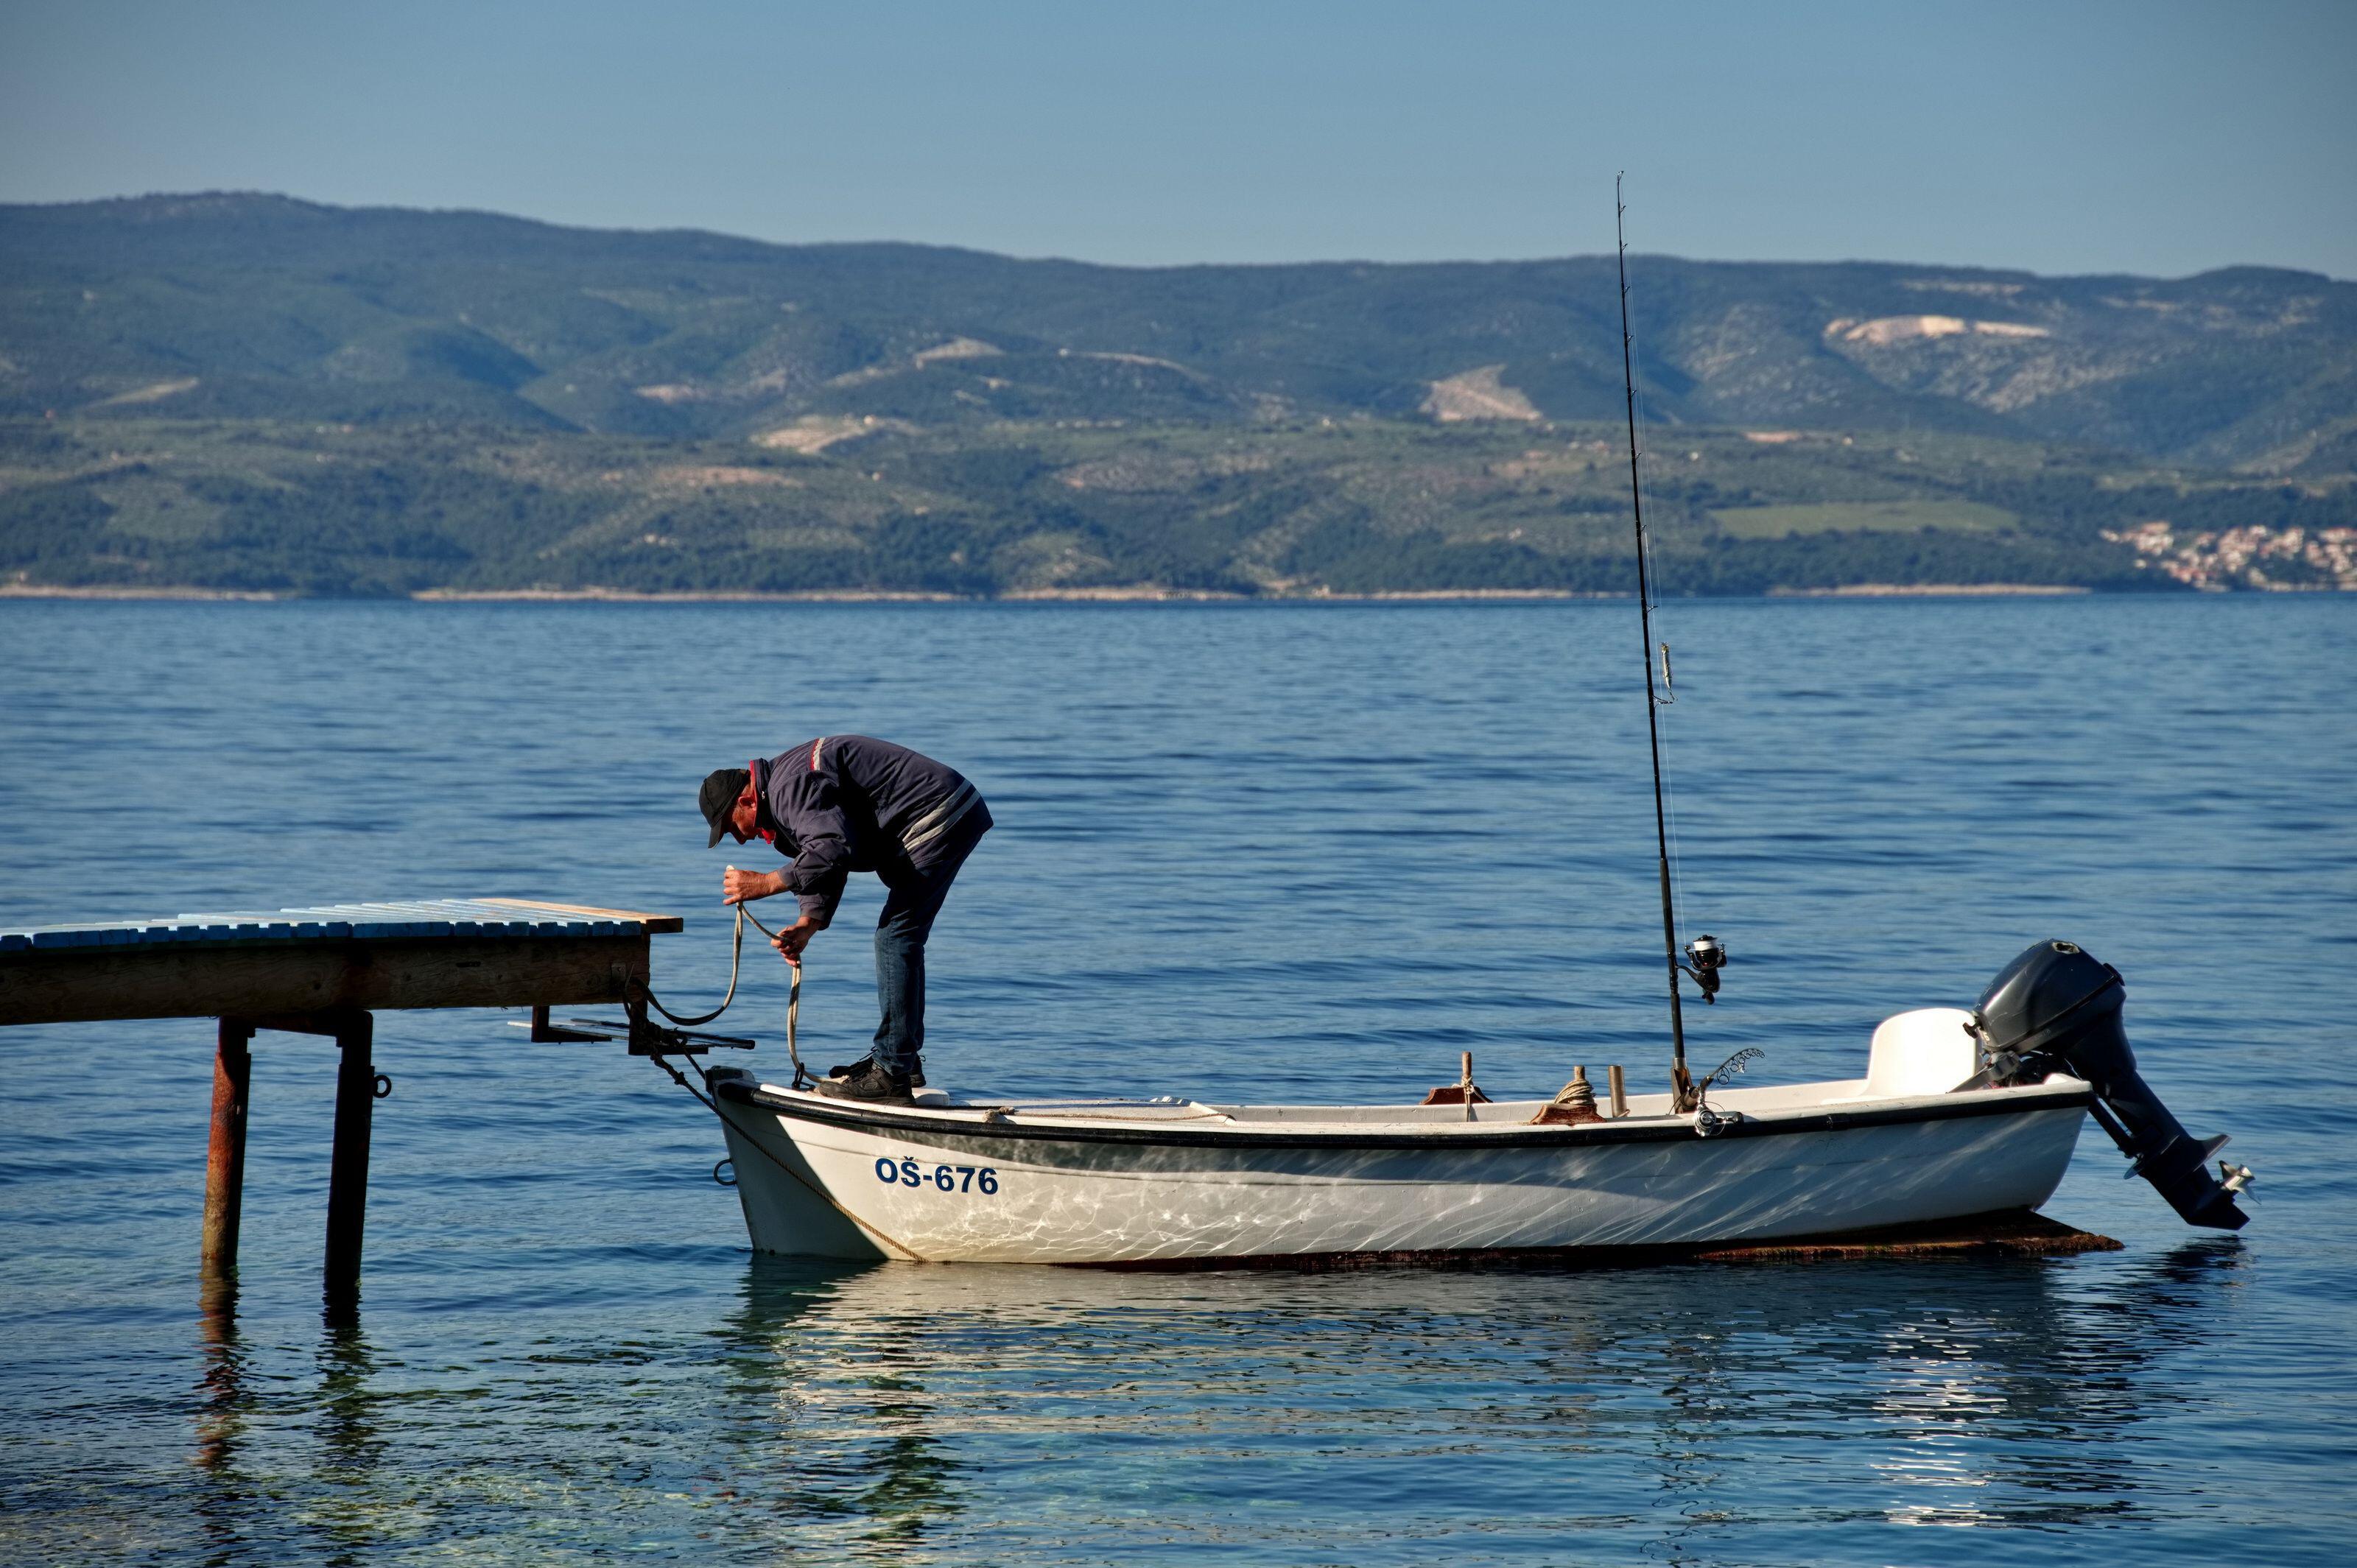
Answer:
(790, 941)
(743, 886)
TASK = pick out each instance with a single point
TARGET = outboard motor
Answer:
(2057, 1008)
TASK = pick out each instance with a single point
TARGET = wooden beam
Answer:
(655, 924)
(194, 981)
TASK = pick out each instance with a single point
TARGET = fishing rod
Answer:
(1707, 952)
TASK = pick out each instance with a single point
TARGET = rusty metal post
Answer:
(348, 1165)
(225, 1154)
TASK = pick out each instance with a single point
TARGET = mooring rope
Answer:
(793, 1021)
(736, 966)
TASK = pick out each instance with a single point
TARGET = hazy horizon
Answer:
(1634, 253)
(2150, 140)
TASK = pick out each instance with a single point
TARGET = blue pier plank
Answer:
(380, 921)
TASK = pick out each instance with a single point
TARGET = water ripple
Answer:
(1315, 850)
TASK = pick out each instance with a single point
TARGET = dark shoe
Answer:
(871, 1084)
(849, 1070)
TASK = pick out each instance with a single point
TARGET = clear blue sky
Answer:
(2152, 138)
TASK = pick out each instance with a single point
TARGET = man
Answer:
(844, 803)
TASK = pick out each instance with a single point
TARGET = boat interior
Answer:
(1927, 1052)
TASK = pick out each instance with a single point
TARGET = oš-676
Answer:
(944, 1179)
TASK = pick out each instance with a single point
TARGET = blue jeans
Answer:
(914, 899)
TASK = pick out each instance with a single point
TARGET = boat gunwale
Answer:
(976, 1123)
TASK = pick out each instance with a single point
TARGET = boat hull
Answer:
(819, 1179)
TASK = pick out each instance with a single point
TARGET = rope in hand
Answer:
(736, 964)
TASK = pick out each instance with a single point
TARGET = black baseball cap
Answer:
(722, 786)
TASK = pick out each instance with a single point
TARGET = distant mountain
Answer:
(249, 306)
(250, 393)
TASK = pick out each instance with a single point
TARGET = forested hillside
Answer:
(253, 391)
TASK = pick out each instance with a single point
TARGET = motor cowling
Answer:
(2057, 1008)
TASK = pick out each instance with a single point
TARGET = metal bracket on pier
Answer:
(571, 1032)
(644, 1037)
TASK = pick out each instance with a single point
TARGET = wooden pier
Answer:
(323, 971)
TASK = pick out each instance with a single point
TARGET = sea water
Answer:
(1267, 853)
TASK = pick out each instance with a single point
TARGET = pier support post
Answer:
(347, 1167)
(225, 1154)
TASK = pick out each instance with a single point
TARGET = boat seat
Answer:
(1926, 1051)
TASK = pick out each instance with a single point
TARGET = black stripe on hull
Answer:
(2007, 1233)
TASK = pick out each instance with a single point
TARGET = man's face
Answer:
(744, 821)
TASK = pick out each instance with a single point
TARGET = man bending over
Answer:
(844, 803)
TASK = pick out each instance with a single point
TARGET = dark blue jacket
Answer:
(849, 802)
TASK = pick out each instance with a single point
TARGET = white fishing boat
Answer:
(1960, 1116)
(1169, 1180)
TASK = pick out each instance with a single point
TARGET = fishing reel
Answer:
(1705, 956)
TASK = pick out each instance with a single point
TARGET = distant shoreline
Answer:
(46, 591)
(1137, 594)
(1133, 593)
(1922, 590)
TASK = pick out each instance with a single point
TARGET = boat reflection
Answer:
(919, 1414)
(845, 1435)
(900, 1399)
